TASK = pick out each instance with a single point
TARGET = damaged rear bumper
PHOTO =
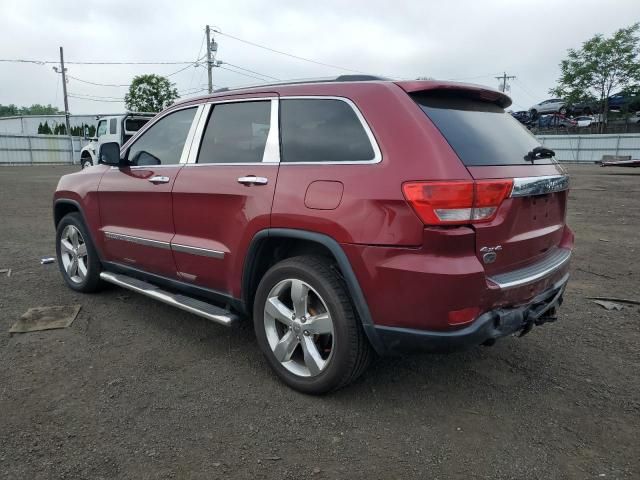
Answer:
(484, 330)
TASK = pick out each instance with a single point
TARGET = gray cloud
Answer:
(465, 39)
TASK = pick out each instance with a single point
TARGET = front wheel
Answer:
(307, 328)
(77, 257)
(563, 111)
(86, 163)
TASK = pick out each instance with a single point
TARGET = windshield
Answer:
(481, 133)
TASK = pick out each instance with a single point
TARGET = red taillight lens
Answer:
(456, 202)
(460, 317)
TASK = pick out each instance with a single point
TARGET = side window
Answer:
(236, 133)
(102, 128)
(162, 144)
(113, 126)
(322, 130)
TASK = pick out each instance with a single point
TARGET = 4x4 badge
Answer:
(489, 254)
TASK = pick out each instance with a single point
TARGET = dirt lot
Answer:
(135, 389)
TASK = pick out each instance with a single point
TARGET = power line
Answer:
(504, 86)
(241, 73)
(98, 84)
(96, 99)
(289, 54)
(250, 71)
(93, 96)
(45, 62)
(193, 74)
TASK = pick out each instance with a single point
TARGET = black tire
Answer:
(533, 113)
(351, 351)
(91, 281)
(563, 111)
(586, 111)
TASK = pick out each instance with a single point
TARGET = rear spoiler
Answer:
(469, 90)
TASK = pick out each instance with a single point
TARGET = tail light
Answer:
(456, 202)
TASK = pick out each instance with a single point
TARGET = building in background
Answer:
(28, 124)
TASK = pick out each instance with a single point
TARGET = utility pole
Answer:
(64, 91)
(504, 77)
(209, 61)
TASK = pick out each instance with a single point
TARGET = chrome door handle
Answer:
(253, 180)
(159, 179)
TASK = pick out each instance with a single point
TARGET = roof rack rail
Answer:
(339, 78)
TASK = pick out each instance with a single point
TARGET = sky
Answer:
(465, 40)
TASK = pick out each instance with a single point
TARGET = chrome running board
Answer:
(191, 305)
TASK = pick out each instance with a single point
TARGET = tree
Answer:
(602, 66)
(150, 93)
(46, 129)
(8, 110)
(37, 109)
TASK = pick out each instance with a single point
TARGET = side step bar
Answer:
(191, 305)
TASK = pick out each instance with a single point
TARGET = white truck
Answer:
(113, 128)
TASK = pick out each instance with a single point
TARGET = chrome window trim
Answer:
(203, 252)
(377, 153)
(139, 240)
(186, 150)
(530, 186)
(271, 154)
(533, 273)
(150, 124)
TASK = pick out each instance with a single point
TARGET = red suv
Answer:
(345, 216)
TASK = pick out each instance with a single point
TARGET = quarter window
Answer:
(322, 130)
(162, 144)
(236, 133)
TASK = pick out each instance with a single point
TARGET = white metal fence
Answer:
(589, 148)
(39, 149)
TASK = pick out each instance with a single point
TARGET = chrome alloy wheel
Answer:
(73, 253)
(299, 328)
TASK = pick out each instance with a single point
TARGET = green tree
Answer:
(601, 67)
(37, 109)
(40, 127)
(150, 93)
(8, 110)
(46, 129)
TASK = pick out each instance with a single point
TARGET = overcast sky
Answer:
(467, 40)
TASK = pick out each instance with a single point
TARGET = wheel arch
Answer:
(272, 245)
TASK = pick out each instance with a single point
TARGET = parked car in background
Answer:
(553, 105)
(522, 116)
(115, 128)
(629, 101)
(584, 108)
(635, 118)
(555, 120)
(584, 121)
(250, 203)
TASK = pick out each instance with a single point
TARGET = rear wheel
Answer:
(86, 162)
(563, 111)
(77, 257)
(307, 328)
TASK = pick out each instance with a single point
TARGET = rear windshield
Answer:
(135, 124)
(481, 133)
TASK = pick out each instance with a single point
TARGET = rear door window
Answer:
(322, 130)
(481, 133)
(236, 133)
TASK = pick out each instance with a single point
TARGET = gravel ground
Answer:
(136, 389)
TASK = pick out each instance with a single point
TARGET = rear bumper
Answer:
(487, 328)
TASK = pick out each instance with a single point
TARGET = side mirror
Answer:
(109, 154)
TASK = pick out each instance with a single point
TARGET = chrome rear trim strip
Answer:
(523, 276)
(529, 186)
(204, 252)
(139, 240)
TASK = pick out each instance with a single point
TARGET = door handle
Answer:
(159, 179)
(253, 180)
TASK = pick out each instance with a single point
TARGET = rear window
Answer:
(481, 133)
(135, 124)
